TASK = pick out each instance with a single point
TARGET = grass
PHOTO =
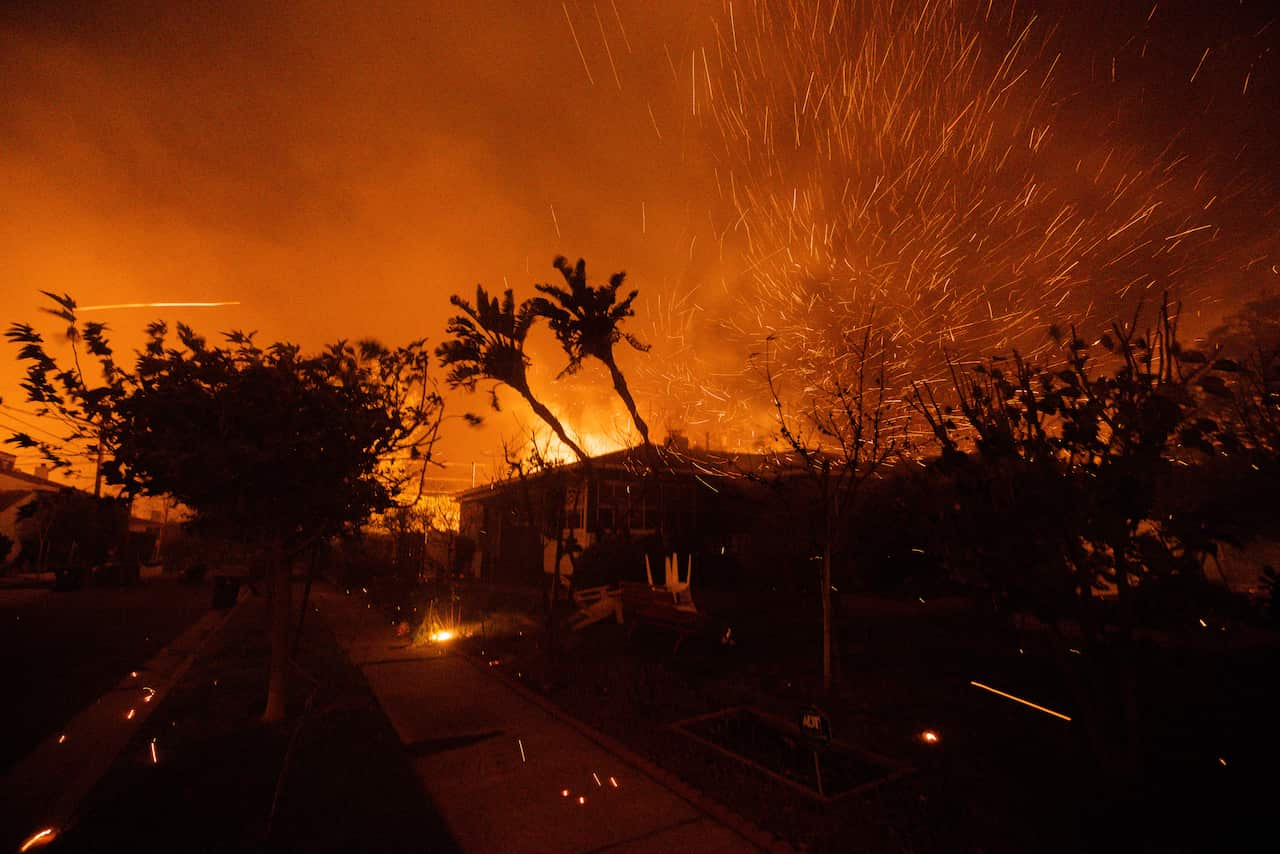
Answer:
(213, 786)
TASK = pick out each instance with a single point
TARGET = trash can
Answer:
(226, 589)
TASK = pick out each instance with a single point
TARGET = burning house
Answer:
(615, 511)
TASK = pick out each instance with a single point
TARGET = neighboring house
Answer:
(710, 503)
(11, 501)
(16, 489)
(12, 478)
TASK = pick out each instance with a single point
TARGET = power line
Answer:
(17, 420)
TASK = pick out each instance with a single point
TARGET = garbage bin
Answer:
(226, 588)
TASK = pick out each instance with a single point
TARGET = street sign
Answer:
(815, 723)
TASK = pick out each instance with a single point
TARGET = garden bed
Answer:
(823, 770)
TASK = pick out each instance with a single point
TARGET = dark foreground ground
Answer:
(61, 651)
(1001, 777)
(331, 779)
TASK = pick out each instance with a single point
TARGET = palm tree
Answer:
(587, 322)
(487, 343)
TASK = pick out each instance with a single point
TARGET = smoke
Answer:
(341, 171)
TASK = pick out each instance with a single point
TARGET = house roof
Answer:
(675, 461)
(23, 479)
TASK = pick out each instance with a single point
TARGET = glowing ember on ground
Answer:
(36, 840)
(581, 800)
(929, 737)
(564, 793)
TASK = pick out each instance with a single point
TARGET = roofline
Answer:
(678, 462)
(33, 479)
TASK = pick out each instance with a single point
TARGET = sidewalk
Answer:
(506, 773)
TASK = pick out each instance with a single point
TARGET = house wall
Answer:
(12, 501)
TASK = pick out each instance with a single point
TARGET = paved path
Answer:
(498, 764)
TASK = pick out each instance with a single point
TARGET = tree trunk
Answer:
(826, 615)
(620, 386)
(306, 597)
(1124, 658)
(624, 392)
(278, 682)
(549, 418)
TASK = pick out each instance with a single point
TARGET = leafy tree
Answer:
(67, 395)
(843, 437)
(268, 446)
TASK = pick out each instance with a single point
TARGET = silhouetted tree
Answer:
(265, 445)
(67, 395)
(843, 435)
(1056, 496)
(1249, 345)
(587, 321)
(487, 343)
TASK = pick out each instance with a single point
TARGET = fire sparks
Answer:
(442, 636)
(935, 163)
(123, 305)
(130, 714)
(39, 839)
(1035, 706)
(155, 760)
(929, 737)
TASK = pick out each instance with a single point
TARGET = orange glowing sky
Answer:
(339, 170)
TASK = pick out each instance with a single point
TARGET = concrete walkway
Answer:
(507, 773)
